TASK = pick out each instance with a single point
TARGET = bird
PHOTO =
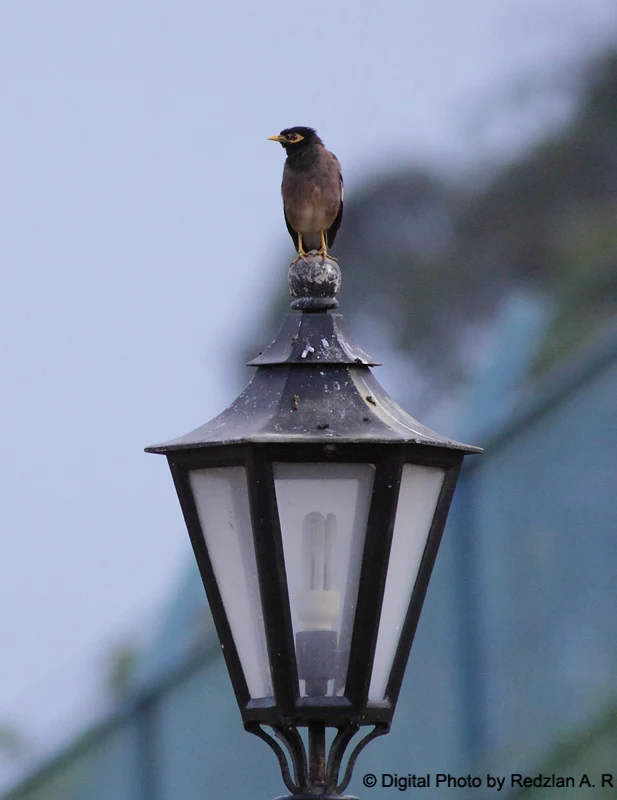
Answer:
(312, 191)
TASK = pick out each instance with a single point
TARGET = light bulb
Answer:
(319, 603)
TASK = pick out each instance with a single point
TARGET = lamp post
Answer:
(315, 506)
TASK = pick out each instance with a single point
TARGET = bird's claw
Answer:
(323, 254)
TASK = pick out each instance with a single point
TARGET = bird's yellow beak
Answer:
(276, 138)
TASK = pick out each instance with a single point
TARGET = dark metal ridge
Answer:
(295, 405)
(313, 339)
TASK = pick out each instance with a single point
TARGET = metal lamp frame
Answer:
(314, 400)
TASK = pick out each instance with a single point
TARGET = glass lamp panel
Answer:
(221, 497)
(323, 512)
(418, 496)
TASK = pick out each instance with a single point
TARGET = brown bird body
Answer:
(312, 190)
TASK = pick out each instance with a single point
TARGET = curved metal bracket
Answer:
(256, 729)
(307, 766)
(378, 730)
(293, 741)
(337, 751)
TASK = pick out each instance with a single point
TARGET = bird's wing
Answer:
(288, 193)
(332, 230)
(292, 233)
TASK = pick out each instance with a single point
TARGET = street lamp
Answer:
(315, 506)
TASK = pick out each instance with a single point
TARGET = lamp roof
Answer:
(312, 385)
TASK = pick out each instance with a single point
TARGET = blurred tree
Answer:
(121, 671)
(12, 743)
(549, 220)
(590, 751)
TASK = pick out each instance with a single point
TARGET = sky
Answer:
(141, 232)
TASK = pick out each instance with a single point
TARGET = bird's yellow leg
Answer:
(301, 250)
(323, 250)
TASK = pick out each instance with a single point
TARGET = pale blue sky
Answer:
(140, 219)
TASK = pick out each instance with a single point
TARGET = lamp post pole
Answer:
(315, 506)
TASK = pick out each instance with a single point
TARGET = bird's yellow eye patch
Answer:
(294, 138)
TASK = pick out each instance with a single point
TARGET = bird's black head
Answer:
(296, 139)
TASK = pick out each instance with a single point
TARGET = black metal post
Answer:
(317, 752)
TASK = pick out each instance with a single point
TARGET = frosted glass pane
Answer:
(323, 511)
(420, 489)
(221, 496)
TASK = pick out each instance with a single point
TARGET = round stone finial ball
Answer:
(314, 282)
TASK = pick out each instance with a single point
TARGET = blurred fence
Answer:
(538, 528)
(160, 745)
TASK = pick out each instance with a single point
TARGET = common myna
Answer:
(312, 190)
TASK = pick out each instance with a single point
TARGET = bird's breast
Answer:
(309, 205)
